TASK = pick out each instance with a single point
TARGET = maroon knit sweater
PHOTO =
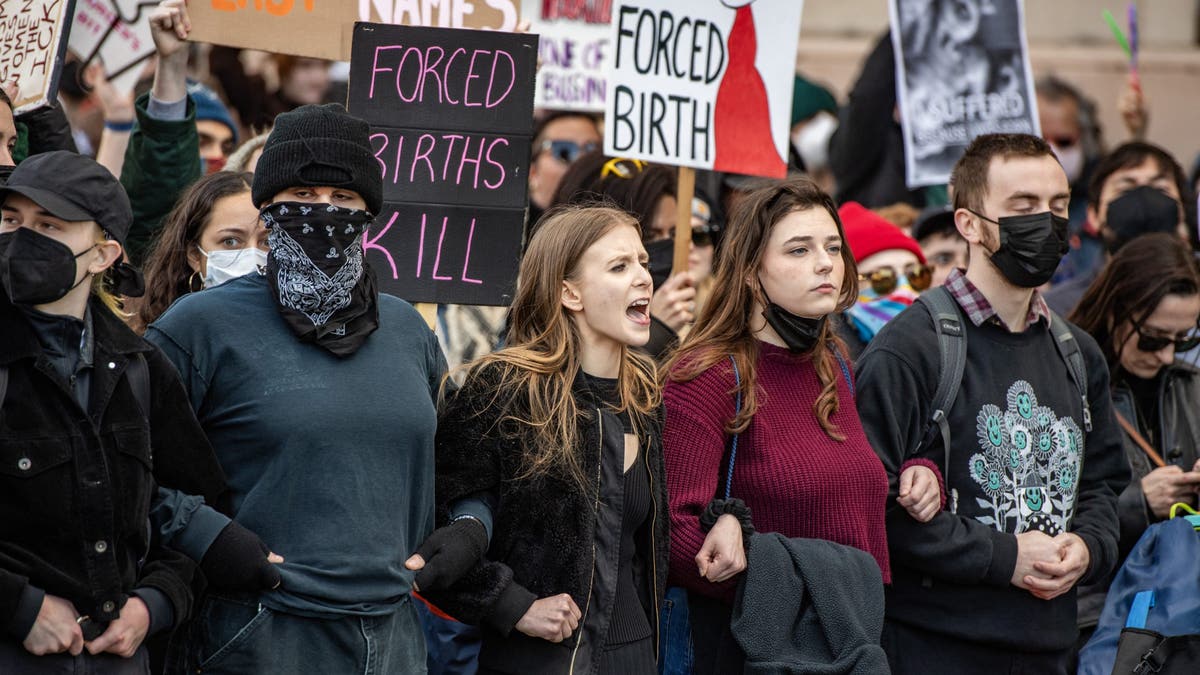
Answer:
(796, 480)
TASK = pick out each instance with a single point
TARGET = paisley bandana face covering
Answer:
(317, 275)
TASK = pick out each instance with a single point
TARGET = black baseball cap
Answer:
(74, 188)
(934, 220)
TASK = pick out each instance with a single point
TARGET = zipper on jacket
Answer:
(653, 554)
(596, 510)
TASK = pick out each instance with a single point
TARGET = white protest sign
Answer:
(32, 45)
(573, 50)
(962, 69)
(703, 83)
(118, 33)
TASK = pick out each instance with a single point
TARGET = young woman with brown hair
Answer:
(211, 236)
(562, 427)
(804, 468)
(1143, 310)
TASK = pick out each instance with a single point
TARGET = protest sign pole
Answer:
(683, 218)
(428, 311)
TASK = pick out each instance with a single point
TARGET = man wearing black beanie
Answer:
(318, 395)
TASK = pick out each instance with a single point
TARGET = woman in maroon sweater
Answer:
(803, 467)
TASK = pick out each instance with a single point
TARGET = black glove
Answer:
(237, 560)
(450, 552)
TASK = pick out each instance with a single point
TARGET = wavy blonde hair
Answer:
(540, 363)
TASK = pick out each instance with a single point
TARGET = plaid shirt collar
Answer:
(979, 310)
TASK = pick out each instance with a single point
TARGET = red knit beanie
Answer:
(867, 233)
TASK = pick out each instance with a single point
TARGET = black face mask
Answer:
(1031, 247)
(662, 258)
(5, 172)
(321, 284)
(1142, 210)
(799, 333)
(35, 269)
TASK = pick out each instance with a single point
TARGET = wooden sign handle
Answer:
(428, 312)
(683, 218)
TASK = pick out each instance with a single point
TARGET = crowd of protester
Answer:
(867, 427)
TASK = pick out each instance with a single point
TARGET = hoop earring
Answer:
(193, 280)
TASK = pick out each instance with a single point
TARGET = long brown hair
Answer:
(168, 274)
(541, 361)
(723, 327)
(1138, 277)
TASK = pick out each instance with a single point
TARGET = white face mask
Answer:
(225, 265)
(1071, 158)
(812, 141)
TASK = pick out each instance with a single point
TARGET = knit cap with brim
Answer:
(318, 146)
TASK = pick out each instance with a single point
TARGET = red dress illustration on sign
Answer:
(742, 120)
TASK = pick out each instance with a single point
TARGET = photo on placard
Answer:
(962, 69)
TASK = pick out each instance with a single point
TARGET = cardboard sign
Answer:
(574, 51)
(117, 32)
(451, 114)
(961, 71)
(324, 28)
(703, 83)
(33, 42)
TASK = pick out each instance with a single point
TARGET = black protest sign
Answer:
(451, 115)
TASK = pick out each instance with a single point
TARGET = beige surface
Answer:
(1067, 38)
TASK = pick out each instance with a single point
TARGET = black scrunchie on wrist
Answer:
(733, 507)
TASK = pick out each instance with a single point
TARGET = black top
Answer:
(1145, 399)
(628, 622)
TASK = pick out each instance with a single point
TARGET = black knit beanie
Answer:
(319, 145)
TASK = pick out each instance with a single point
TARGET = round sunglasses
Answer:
(885, 279)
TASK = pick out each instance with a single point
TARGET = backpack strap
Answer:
(138, 373)
(1068, 350)
(952, 350)
(737, 406)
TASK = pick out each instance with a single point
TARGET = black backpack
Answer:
(952, 347)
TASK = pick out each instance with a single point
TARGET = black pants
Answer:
(913, 651)
(14, 659)
(717, 652)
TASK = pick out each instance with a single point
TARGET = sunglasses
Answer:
(885, 279)
(1156, 343)
(622, 167)
(703, 235)
(566, 151)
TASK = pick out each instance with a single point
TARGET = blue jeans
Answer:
(238, 635)
(453, 647)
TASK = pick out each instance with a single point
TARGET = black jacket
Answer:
(832, 620)
(76, 486)
(1177, 437)
(550, 536)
